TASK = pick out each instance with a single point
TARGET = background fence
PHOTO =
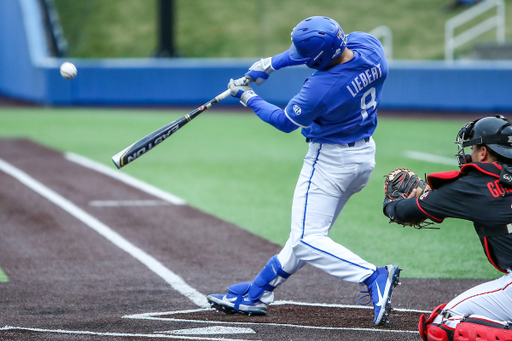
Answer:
(28, 72)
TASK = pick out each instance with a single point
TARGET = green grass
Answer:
(260, 28)
(244, 171)
(3, 277)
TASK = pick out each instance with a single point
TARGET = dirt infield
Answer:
(90, 257)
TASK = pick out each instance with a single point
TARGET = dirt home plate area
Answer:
(92, 254)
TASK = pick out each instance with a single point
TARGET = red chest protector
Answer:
(436, 180)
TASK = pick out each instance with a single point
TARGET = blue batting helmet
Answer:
(318, 40)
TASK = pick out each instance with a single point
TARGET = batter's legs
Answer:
(331, 174)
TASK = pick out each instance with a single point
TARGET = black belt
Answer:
(352, 144)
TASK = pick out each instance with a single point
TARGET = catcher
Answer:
(480, 192)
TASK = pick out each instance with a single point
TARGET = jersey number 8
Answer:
(372, 103)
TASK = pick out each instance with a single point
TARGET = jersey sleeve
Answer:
(271, 114)
(453, 200)
(435, 205)
(407, 211)
(307, 105)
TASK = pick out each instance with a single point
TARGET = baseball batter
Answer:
(480, 192)
(337, 111)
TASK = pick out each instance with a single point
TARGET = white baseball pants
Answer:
(491, 299)
(330, 175)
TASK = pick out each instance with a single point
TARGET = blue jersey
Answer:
(339, 105)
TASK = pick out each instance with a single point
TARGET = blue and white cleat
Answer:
(380, 287)
(231, 303)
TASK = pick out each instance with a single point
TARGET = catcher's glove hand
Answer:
(398, 185)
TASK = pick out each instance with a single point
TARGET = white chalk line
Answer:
(209, 331)
(148, 316)
(88, 163)
(176, 282)
(123, 177)
(128, 203)
(157, 316)
(298, 326)
(83, 332)
(443, 160)
(115, 238)
(325, 305)
(218, 329)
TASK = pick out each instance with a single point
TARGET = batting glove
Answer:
(260, 71)
(240, 89)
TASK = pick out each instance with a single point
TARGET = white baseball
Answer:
(68, 70)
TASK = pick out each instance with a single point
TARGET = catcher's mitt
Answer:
(400, 182)
(398, 185)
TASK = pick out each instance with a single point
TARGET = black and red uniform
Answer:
(474, 193)
(480, 192)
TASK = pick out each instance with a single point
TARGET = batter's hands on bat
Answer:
(260, 71)
(240, 89)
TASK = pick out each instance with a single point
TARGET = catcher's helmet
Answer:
(317, 41)
(495, 132)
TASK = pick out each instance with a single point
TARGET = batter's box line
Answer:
(325, 305)
(135, 335)
(157, 317)
(277, 303)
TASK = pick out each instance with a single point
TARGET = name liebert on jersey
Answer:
(367, 77)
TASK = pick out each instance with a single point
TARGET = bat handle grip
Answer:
(223, 95)
(245, 80)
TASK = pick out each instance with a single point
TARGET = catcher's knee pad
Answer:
(430, 331)
(268, 279)
(474, 327)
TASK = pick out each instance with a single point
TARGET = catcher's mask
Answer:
(495, 132)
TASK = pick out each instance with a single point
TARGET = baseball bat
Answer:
(145, 144)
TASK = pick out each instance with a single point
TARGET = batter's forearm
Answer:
(271, 114)
(282, 60)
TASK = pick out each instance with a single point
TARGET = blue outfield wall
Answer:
(27, 72)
